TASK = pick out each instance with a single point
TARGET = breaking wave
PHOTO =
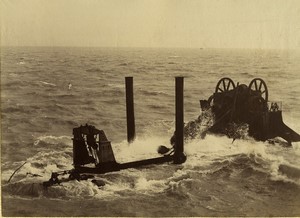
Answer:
(47, 83)
(212, 158)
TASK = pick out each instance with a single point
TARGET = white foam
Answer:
(145, 185)
(47, 83)
(200, 152)
(49, 139)
(141, 148)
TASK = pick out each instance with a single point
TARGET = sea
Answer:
(220, 177)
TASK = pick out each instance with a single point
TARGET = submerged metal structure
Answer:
(92, 151)
(242, 104)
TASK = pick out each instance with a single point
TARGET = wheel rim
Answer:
(259, 86)
(224, 84)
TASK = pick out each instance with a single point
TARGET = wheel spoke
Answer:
(260, 85)
(224, 85)
(228, 85)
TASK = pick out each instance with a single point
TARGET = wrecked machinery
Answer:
(241, 104)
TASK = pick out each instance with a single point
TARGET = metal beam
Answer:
(179, 156)
(130, 109)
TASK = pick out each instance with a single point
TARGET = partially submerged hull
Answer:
(246, 105)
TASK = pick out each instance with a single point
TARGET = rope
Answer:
(16, 171)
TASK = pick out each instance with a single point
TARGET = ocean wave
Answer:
(97, 70)
(156, 106)
(123, 64)
(13, 84)
(65, 95)
(153, 92)
(113, 85)
(24, 189)
(219, 164)
(47, 83)
(255, 160)
(39, 167)
(290, 171)
(219, 175)
(239, 165)
(49, 139)
(111, 101)
(20, 108)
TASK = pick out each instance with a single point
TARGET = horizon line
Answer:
(142, 47)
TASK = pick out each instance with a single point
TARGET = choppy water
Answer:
(38, 112)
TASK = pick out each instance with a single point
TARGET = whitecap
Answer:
(47, 83)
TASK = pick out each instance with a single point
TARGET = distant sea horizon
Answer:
(138, 47)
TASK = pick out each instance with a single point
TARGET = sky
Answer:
(273, 24)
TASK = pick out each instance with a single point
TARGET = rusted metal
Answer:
(249, 105)
(130, 109)
(91, 146)
(179, 156)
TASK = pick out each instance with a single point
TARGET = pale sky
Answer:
(152, 23)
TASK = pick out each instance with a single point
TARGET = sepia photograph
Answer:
(150, 108)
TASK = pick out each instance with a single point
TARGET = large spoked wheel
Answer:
(225, 84)
(259, 86)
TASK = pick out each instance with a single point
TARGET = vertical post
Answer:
(179, 156)
(130, 109)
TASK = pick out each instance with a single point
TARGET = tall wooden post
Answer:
(130, 109)
(179, 156)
